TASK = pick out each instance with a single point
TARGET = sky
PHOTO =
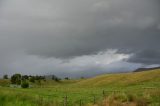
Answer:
(78, 38)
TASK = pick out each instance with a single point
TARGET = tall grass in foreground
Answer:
(149, 97)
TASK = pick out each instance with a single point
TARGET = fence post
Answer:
(65, 100)
(40, 101)
(94, 99)
(103, 93)
(80, 102)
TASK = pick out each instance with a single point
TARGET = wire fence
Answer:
(66, 100)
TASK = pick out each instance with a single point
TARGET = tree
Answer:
(32, 79)
(5, 77)
(66, 78)
(25, 77)
(82, 77)
(55, 78)
(16, 79)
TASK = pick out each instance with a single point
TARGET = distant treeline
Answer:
(25, 80)
(32, 78)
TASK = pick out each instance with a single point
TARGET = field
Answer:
(125, 89)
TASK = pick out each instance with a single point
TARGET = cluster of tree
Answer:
(24, 80)
(66, 78)
(5, 77)
(55, 78)
(36, 78)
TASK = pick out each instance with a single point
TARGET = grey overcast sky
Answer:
(78, 37)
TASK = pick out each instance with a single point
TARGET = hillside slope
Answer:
(123, 78)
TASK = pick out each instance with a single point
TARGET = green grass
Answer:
(137, 89)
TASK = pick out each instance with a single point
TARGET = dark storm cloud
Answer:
(147, 57)
(67, 29)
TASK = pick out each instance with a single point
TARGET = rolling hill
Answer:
(123, 78)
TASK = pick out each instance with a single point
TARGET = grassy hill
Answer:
(123, 78)
(123, 89)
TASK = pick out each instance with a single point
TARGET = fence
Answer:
(81, 102)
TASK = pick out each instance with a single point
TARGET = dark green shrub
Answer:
(25, 85)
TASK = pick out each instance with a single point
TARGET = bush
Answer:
(25, 85)
(16, 79)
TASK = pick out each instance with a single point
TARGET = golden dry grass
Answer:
(123, 78)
